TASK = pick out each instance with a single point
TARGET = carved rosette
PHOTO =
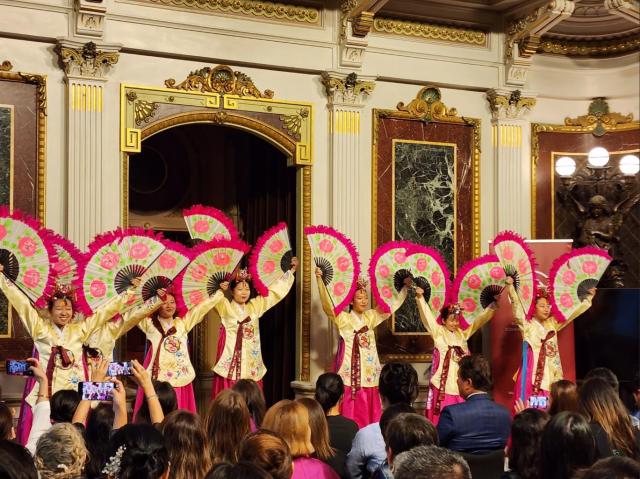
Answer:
(222, 80)
(428, 106)
(512, 106)
(599, 119)
(346, 89)
(86, 61)
(6, 66)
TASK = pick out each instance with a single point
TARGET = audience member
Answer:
(567, 445)
(7, 431)
(398, 384)
(320, 437)
(563, 397)
(187, 445)
(242, 470)
(611, 468)
(269, 451)
(610, 421)
(430, 462)
(524, 450)
(254, 399)
(226, 423)
(290, 419)
(61, 453)
(96, 437)
(342, 430)
(63, 405)
(478, 425)
(168, 401)
(137, 451)
(16, 462)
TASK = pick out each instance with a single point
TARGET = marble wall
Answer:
(6, 128)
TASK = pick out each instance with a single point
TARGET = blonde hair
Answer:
(61, 453)
(290, 419)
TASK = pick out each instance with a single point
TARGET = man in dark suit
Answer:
(478, 425)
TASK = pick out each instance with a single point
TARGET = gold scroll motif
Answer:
(430, 31)
(599, 119)
(603, 48)
(221, 79)
(293, 123)
(41, 86)
(428, 106)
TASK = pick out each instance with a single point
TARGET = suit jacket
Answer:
(476, 426)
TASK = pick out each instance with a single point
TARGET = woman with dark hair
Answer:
(187, 444)
(96, 438)
(226, 423)
(567, 445)
(564, 397)
(7, 431)
(137, 451)
(610, 421)
(254, 398)
(168, 401)
(16, 462)
(269, 451)
(524, 450)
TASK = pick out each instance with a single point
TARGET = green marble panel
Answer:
(424, 203)
(6, 127)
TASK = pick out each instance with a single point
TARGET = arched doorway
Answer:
(237, 172)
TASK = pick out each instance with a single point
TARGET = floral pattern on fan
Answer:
(337, 257)
(476, 285)
(270, 258)
(207, 223)
(112, 261)
(212, 263)
(429, 272)
(518, 262)
(388, 268)
(68, 259)
(571, 276)
(173, 260)
(26, 255)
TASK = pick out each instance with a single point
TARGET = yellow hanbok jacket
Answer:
(534, 332)
(233, 317)
(443, 339)
(349, 324)
(46, 335)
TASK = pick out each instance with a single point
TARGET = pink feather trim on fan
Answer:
(213, 213)
(457, 282)
(260, 287)
(353, 252)
(436, 255)
(558, 263)
(373, 262)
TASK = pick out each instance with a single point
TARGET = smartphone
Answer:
(120, 368)
(16, 367)
(95, 391)
(538, 402)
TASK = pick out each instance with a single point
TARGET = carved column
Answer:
(86, 67)
(511, 140)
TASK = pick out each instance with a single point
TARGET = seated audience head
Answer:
(430, 462)
(267, 450)
(96, 437)
(563, 397)
(474, 375)
(599, 402)
(16, 462)
(329, 390)
(166, 396)
(242, 470)
(406, 431)
(398, 383)
(567, 445)
(612, 468)
(61, 453)
(226, 423)
(137, 451)
(290, 420)
(187, 445)
(605, 374)
(254, 398)
(526, 433)
(63, 405)
(7, 431)
(319, 429)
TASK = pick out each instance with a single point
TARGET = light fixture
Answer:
(598, 157)
(565, 166)
(629, 164)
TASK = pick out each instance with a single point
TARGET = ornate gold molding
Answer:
(87, 61)
(586, 48)
(143, 110)
(254, 8)
(431, 31)
(345, 89)
(361, 25)
(6, 66)
(599, 119)
(427, 106)
(221, 79)
(512, 106)
(293, 123)
(41, 85)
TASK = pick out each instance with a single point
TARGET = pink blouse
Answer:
(310, 468)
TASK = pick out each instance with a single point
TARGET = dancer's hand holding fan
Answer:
(207, 223)
(337, 257)
(389, 268)
(26, 255)
(270, 258)
(573, 279)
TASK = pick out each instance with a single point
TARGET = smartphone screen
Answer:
(538, 402)
(17, 367)
(95, 391)
(120, 368)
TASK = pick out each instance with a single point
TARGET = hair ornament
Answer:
(112, 467)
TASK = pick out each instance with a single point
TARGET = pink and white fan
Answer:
(270, 258)
(430, 272)
(388, 268)
(68, 259)
(207, 223)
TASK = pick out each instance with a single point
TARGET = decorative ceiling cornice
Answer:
(589, 48)
(431, 31)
